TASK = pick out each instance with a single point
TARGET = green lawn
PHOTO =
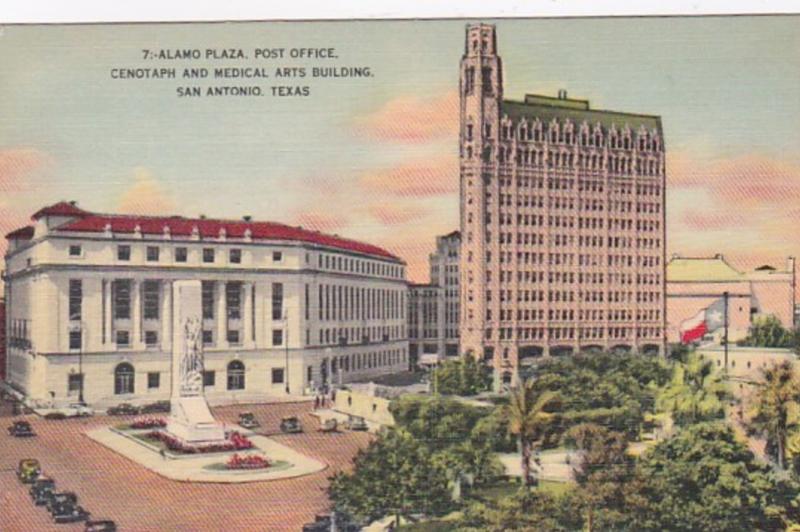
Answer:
(506, 489)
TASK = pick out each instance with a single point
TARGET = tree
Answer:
(436, 421)
(703, 479)
(525, 510)
(529, 413)
(774, 405)
(394, 475)
(768, 331)
(695, 393)
(465, 376)
(602, 472)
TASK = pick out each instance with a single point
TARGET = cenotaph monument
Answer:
(190, 418)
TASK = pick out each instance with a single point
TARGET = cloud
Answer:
(411, 119)
(388, 213)
(19, 165)
(318, 221)
(145, 196)
(417, 179)
(711, 221)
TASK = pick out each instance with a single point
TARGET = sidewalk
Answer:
(193, 469)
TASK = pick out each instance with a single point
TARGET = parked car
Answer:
(41, 490)
(123, 409)
(159, 407)
(69, 513)
(291, 425)
(248, 420)
(329, 425)
(28, 470)
(55, 414)
(77, 410)
(356, 423)
(104, 525)
(21, 429)
(60, 499)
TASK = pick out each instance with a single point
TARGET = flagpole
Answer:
(725, 332)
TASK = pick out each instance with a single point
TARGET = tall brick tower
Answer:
(562, 221)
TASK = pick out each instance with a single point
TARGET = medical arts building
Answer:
(284, 310)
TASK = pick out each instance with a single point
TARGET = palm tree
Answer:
(528, 414)
(695, 393)
(774, 401)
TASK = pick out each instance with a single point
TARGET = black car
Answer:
(159, 407)
(123, 409)
(105, 525)
(291, 425)
(69, 513)
(21, 429)
(60, 499)
(248, 420)
(42, 489)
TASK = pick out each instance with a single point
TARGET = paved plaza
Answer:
(111, 486)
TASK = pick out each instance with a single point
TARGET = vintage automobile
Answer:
(41, 490)
(158, 407)
(69, 513)
(55, 500)
(291, 425)
(356, 423)
(248, 420)
(329, 425)
(21, 429)
(104, 525)
(123, 409)
(28, 470)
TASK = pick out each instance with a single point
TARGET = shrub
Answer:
(252, 461)
(148, 423)
(235, 442)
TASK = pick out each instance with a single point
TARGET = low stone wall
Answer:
(374, 409)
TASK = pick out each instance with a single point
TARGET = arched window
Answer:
(236, 375)
(123, 379)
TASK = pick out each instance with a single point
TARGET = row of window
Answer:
(354, 265)
(572, 333)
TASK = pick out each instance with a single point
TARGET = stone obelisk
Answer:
(190, 418)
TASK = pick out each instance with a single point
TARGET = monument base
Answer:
(191, 421)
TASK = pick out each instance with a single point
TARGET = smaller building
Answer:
(426, 324)
(444, 264)
(696, 283)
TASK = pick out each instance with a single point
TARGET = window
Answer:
(236, 375)
(208, 337)
(75, 251)
(153, 253)
(277, 301)
(150, 338)
(121, 299)
(233, 300)
(75, 299)
(208, 300)
(123, 379)
(208, 254)
(181, 254)
(123, 252)
(209, 377)
(153, 380)
(74, 381)
(233, 336)
(75, 339)
(277, 256)
(150, 299)
(123, 339)
(277, 375)
(277, 336)
(235, 256)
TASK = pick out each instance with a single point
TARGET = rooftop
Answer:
(205, 228)
(547, 108)
(714, 268)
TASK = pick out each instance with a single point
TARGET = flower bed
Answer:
(252, 461)
(148, 422)
(235, 442)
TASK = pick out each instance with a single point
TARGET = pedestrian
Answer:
(316, 402)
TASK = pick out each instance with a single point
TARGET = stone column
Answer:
(136, 315)
(247, 314)
(221, 316)
(166, 315)
(108, 320)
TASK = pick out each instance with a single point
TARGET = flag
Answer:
(707, 320)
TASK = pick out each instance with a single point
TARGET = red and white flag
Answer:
(707, 320)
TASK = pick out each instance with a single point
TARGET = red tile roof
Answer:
(25, 233)
(62, 208)
(208, 228)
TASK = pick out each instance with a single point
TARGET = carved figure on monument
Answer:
(191, 366)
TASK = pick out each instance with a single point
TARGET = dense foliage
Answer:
(696, 392)
(463, 376)
(768, 331)
(775, 409)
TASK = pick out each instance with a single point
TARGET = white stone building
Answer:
(285, 309)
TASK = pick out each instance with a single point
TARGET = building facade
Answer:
(695, 283)
(426, 324)
(562, 221)
(284, 309)
(444, 268)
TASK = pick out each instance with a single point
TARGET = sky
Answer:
(375, 158)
